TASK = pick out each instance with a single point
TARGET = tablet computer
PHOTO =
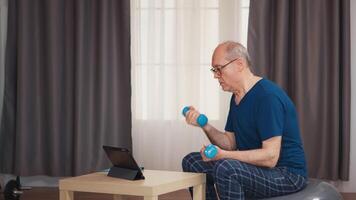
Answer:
(124, 165)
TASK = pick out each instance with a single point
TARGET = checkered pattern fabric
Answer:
(238, 180)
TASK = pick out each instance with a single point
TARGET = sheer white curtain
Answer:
(172, 44)
(3, 28)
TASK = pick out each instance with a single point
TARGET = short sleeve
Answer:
(270, 117)
(229, 123)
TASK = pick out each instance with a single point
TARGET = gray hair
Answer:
(236, 50)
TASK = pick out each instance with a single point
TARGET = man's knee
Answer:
(225, 168)
(189, 160)
(227, 176)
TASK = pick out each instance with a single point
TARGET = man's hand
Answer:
(192, 116)
(219, 155)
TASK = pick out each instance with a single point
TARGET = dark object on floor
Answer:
(12, 190)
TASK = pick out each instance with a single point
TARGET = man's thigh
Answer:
(260, 182)
(193, 162)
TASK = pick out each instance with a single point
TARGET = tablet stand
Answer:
(130, 174)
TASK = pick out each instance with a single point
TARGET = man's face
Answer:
(224, 70)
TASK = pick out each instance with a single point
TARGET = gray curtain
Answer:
(3, 28)
(304, 46)
(67, 86)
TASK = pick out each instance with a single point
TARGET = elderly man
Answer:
(260, 153)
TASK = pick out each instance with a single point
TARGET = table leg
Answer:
(199, 192)
(66, 195)
(150, 198)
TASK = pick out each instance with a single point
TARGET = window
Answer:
(173, 41)
(172, 44)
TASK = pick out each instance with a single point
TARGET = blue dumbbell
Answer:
(210, 151)
(202, 120)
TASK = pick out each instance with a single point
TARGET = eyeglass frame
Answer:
(217, 69)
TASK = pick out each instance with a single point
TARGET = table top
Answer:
(156, 182)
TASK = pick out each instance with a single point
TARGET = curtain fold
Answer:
(3, 28)
(67, 86)
(304, 46)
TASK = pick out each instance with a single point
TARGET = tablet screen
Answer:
(121, 157)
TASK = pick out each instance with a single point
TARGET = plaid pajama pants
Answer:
(234, 179)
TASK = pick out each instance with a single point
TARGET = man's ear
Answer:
(240, 64)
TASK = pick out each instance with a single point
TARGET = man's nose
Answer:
(216, 75)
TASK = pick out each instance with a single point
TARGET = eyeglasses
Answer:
(217, 69)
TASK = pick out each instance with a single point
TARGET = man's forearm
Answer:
(258, 157)
(218, 138)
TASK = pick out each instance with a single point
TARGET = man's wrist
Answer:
(207, 127)
(231, 154)
(222, 154)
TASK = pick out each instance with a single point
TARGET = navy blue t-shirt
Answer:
(264, 112)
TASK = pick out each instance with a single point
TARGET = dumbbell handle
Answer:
(202, 120)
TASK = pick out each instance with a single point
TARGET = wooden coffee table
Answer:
(156, 183)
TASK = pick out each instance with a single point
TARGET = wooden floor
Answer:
(52, 194)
